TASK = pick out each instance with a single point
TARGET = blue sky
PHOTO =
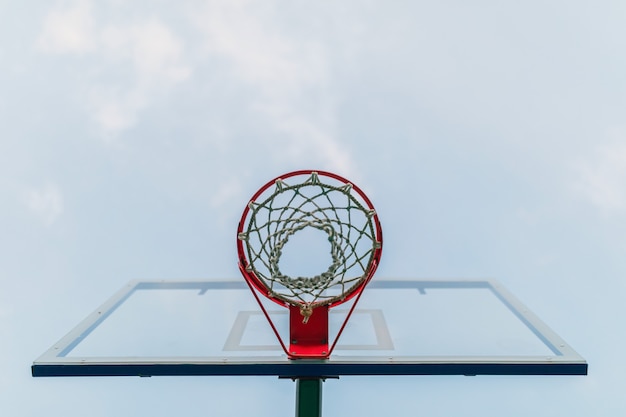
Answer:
(490, 136)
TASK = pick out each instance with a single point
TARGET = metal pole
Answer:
(309, 397)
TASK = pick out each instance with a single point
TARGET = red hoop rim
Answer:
(255, 281)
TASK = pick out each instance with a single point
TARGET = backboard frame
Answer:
(563, 361)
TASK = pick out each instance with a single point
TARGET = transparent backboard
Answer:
(399, 327)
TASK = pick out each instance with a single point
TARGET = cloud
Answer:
(46, 203)
(602, 178)
(70, 30)
(116, 110)
(147, 51)
(155, 56)
(307, 138)
(258, 53)
(134, 62)
(152, 48)
(227, 192)
(288, 73)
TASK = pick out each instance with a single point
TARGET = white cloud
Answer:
(284, 71)
(227, 192)
(308, 138)
(155, 56)
(46, 203)
(257, 51)
(152, 48)
(69, 30)
(116, 110)
(603, 177)
(149, 48)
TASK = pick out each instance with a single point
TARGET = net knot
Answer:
(306, 311)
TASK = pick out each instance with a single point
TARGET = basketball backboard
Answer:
(400, 327)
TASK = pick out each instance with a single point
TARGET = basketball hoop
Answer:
(286, 206)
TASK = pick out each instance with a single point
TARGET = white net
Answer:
(333, 209)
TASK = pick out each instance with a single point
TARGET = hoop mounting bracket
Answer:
(308, 339)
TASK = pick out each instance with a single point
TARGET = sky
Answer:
(491, 137)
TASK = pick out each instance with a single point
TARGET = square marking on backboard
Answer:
(367, 331)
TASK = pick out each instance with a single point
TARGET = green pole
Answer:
(309, 397)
